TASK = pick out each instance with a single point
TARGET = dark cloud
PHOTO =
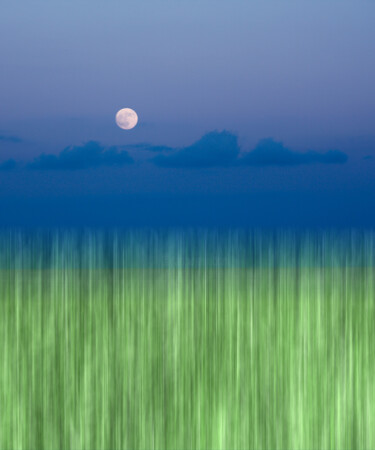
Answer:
(88, 155)
(271, 153)
(10, 139)
(221, 150)
(215, 149)
(8, 165)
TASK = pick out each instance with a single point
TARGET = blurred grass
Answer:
(187, 340)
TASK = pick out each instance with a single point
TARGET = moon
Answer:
(126, 118)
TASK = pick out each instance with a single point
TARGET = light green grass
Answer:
(156, 340)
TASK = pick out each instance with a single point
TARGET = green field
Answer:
(187, 340)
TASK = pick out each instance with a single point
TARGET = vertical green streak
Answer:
(156, 340)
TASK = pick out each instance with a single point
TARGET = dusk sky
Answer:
(250, 113)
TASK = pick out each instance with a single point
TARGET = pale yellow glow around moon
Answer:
(126, 118)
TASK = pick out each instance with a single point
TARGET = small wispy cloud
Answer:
(147, 147)
(10, 139)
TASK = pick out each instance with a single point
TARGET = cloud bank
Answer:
(86, 156)
(215, 149)
(221, 150)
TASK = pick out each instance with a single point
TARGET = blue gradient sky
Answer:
(298, 72)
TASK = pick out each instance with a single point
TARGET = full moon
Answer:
(126, 118)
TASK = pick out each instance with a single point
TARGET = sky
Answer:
(257, 113)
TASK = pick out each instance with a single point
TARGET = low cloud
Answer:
(272, 153)
(215, 149)
(8, 165)
(221, 150)
(89, 155)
